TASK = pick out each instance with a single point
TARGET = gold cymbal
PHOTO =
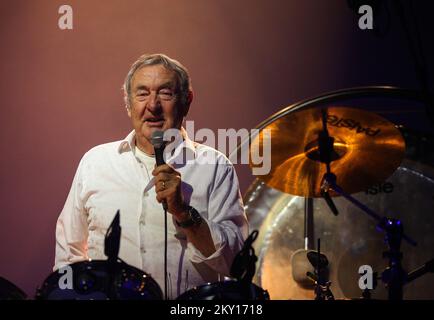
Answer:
(367, 150)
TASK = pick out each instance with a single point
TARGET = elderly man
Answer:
(207, 224)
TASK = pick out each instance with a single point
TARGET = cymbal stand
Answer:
(366, 294)
(325, 147)
(394, 276)
(413, 275)
(427, 267)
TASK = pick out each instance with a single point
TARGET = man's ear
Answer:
(127, 104)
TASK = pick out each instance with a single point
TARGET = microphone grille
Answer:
(157, 138)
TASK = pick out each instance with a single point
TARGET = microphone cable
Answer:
(165, 255)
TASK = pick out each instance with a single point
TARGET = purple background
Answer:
(60, 90)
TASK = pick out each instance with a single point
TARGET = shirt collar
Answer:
(181, 142)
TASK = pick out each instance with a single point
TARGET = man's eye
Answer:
(166, 95)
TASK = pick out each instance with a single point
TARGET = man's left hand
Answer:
(168, 187)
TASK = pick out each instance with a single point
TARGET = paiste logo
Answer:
(351, 124)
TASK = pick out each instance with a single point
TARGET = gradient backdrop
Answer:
(60, 89)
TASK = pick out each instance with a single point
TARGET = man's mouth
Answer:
(155, 121)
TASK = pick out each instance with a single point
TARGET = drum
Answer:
(225, 290)
(9, 291)
(351, 239)
(91, 280)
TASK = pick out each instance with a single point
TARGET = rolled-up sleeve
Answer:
(226, 220)
(71, 226)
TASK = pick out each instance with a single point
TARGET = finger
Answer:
(161, 168)
(161, 185)
(163, 176)
(159, 198)
(167, 168)
(163, 195)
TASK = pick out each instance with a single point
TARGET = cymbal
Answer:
(367, 150)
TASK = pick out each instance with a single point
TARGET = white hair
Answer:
(183, 78)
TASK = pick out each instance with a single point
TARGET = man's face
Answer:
(153, 103)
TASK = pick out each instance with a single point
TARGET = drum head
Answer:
(91, 280)
(225, 290)
(349, 240)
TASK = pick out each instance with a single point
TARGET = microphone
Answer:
(157, 140)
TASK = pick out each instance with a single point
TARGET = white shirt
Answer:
(113, 176)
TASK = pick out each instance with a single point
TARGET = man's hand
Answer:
(168, 187)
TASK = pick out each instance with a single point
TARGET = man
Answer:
(207, 224)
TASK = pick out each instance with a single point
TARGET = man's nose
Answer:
(154, 102)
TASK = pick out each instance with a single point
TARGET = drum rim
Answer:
(80, 265)
(189, 294)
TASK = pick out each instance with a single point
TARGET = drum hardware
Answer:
(388, 273)
(243, 267)
(240, 286)
(225, 290)
(9, 291)
(317, 260)
(351, 242)
(111, 250)
(427, 267)
(366, 148)
(91, 281)
(301, 266)
(320, 277)
(110, 279)
(367, 292)
(326, 156)
(394, 276)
